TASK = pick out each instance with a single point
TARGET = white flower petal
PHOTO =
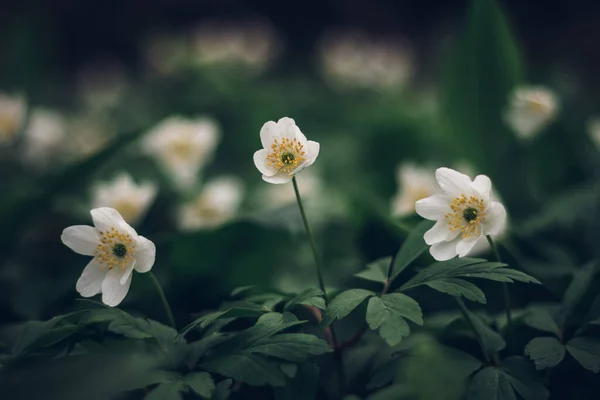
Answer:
(453, 182)
(495, 219)
(90, 282)
(268, 132)
(81, 239)
(144, 255)
(440, 232)
(466, 245)
(287, 128)
(312, 152)
(444, 250)
(279, 178)
(483, 185)
(105, 218)
(127, 272)
(433, 207)
(260, 161)
(113, 292)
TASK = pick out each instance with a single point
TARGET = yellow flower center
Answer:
(181, 149)
(116, 249)
(9, 125)
(467, 213)
(537, 106)
(286, 155)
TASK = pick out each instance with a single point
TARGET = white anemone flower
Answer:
(285, 151)
(414, 183)
(117, 250)
(530, 110)
(216, 204)
(44, 137)
(464, 211)
(132, 200)
(183, 146)
(12, 117)
(594, 131)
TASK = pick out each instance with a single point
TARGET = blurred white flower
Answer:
(594, 131)
(414, 183)
(531, 109)
(251, 44)
(285, 151)
(117, 250)
(356, 60)
(216, 204)
(183, 146)
(165, 52)
(132, 200)
(43, 137)
(464, 211)
(12, 117)
(87, 135)
(102, 85)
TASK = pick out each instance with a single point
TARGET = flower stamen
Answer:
(116, 249)
(286, 155)
(466, 215)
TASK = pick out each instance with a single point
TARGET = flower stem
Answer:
(504, 284)
(465, 313)
(311, 239)
(161, 293)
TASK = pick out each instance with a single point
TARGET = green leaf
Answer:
(201, 382)
(289, 369)
(478, 77)
(294, 347)
(166, 391)
(492, 341)
(462, 363)
(377, 271)
(413, 247)
(303, 386)
(387, 314)
(541, 319)
(236, 312)
(586, 351)
(458, 287)
(252, 369)
(309, 297)
(241, 289)
(222, 390)
(545, 352)
(577, 288)
(514, 375)
(344, 303)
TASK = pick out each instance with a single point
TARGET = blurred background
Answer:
(155, 108)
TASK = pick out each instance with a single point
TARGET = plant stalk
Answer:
(504, 285)
(161, 294)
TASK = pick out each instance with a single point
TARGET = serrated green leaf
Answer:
(201, 382)
(458, 287)
(310, 297)
(545, 352)
(490, 384)
(377, 271)
(166, 391)
(344, 303)
(413, 247)
(387, 314)
(294, 347)
(586, 351)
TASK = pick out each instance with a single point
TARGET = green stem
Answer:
(313, 246)
(504, 284)
(161, 293)
(465, 313)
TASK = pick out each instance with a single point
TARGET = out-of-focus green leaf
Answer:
(310, 297)
(545, 352)
(413, 247)
(541, 319)
(222, 390)
(478, 77)
(166, 391)
(235, 312)
(201, 382)
(387, 314)
(302, 386)
(377, 271)
(344, 303)
(576, 289)
(586, 351)
(294, 347)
